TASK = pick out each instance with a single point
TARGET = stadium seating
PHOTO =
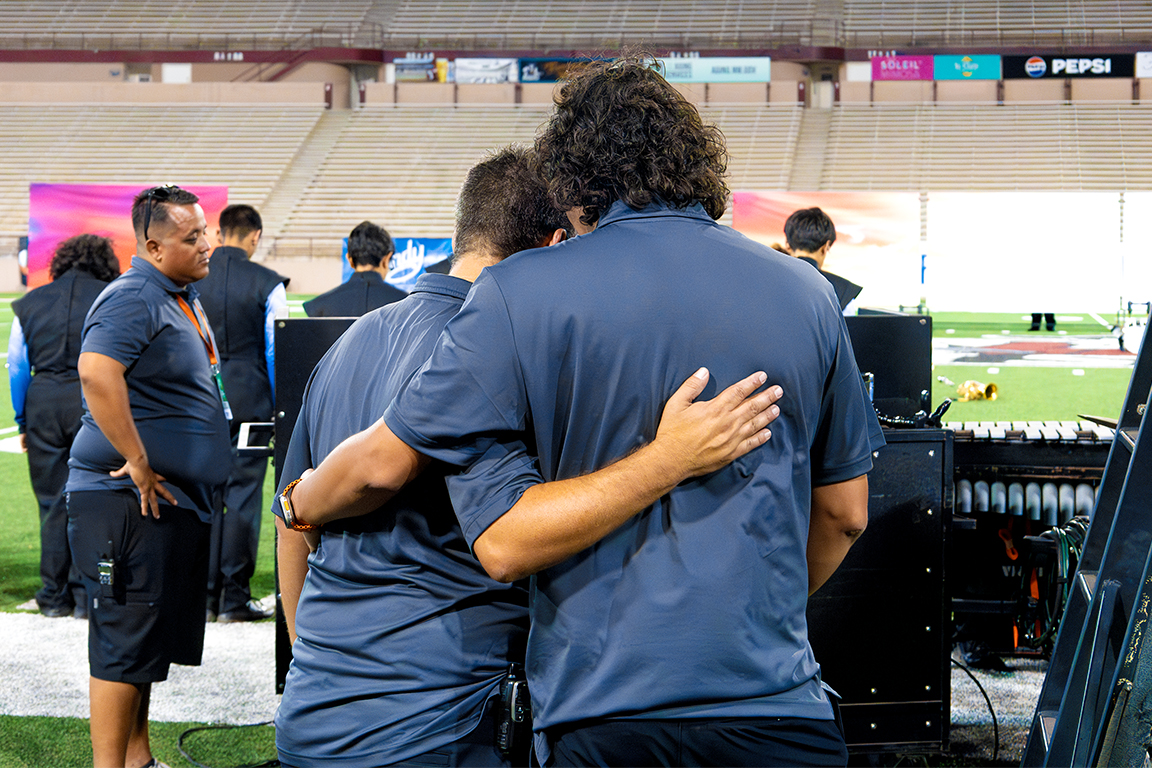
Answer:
(593, 24)
(161, 24)
(246, 149)
(883, 23)
(988, 147)
(403, 165)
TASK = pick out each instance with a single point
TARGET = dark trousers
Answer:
(236, 535)
(475, 750)
(778, 741)
(52, 413)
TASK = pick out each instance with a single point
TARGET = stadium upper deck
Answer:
(551, 24)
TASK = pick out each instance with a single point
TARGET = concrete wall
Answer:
(783, 92)
(1106, 89)
(789, 70)
(904, 91)
(60, 73)
(697, 93)
(425, 93)
(1016, 91)
(307, 275)
(321, 72)
(855, 92)
(164, 93)
(10, 275)
(542, 93)
(739, 93)
(983, 91)
(486, 93)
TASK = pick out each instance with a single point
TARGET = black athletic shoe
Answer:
(250, 612)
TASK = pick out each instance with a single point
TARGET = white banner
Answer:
(487, 70)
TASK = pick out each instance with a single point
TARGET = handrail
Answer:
(361, 35)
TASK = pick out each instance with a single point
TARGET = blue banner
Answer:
(979, 67)
(413, 256)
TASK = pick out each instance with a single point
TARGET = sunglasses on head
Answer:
(156, 195)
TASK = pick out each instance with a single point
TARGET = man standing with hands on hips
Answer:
(145, 469)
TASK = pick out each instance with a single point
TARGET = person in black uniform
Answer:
(369, 251)
(810, 235)
(241, 299)
(42, 351)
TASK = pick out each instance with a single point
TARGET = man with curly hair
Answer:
(42, 350)
(674, 633)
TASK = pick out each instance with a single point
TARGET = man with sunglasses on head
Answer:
(145, 469)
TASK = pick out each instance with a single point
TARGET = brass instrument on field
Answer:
(975, 390)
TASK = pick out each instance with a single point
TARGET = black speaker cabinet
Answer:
(881, 627)
(300, 343)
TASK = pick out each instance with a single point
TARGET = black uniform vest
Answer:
(52, 318)
(233, 296)
(364, 292)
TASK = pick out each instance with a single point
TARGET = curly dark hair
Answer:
(88, 253)
(621, 132)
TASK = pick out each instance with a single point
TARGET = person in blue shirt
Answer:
(668, 624)
(242, 300)
(370, 251)
(43, 347)
(401, 640)
(146, 470)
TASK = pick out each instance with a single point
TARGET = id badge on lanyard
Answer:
(220, 386)
(210, 347)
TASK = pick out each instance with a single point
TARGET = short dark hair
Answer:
(504, 207)
(369, 244)
(158, 199)
(808, 229)
(88, 253)
(240, 220)
(622, 132)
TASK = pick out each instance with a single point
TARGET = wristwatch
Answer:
(285, 502)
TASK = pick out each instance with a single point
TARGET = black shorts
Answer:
(153, 613)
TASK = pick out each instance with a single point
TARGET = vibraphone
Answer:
(1044, 471)
(1017, 484)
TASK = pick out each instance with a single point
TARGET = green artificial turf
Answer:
(1033, 394)
(974, 324)
(36, 742)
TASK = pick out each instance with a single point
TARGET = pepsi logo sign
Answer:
(1036, 66)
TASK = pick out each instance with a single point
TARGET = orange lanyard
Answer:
(208, 345)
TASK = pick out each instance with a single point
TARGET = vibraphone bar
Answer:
(1046, 471)
(1017, 485)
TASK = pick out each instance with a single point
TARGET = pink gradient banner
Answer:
(903, 68)
(57, 212)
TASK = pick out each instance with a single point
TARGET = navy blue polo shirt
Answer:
(402, 635)
(694, 608)
(175, 402)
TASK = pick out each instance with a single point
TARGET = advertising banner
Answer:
(979, 67)
(1144, 64)
(902, 68)
(412, 258)
(415, 67)
(718, 69)
(1072, 65)
(550, 70)
(57, 212)
(487, 70)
